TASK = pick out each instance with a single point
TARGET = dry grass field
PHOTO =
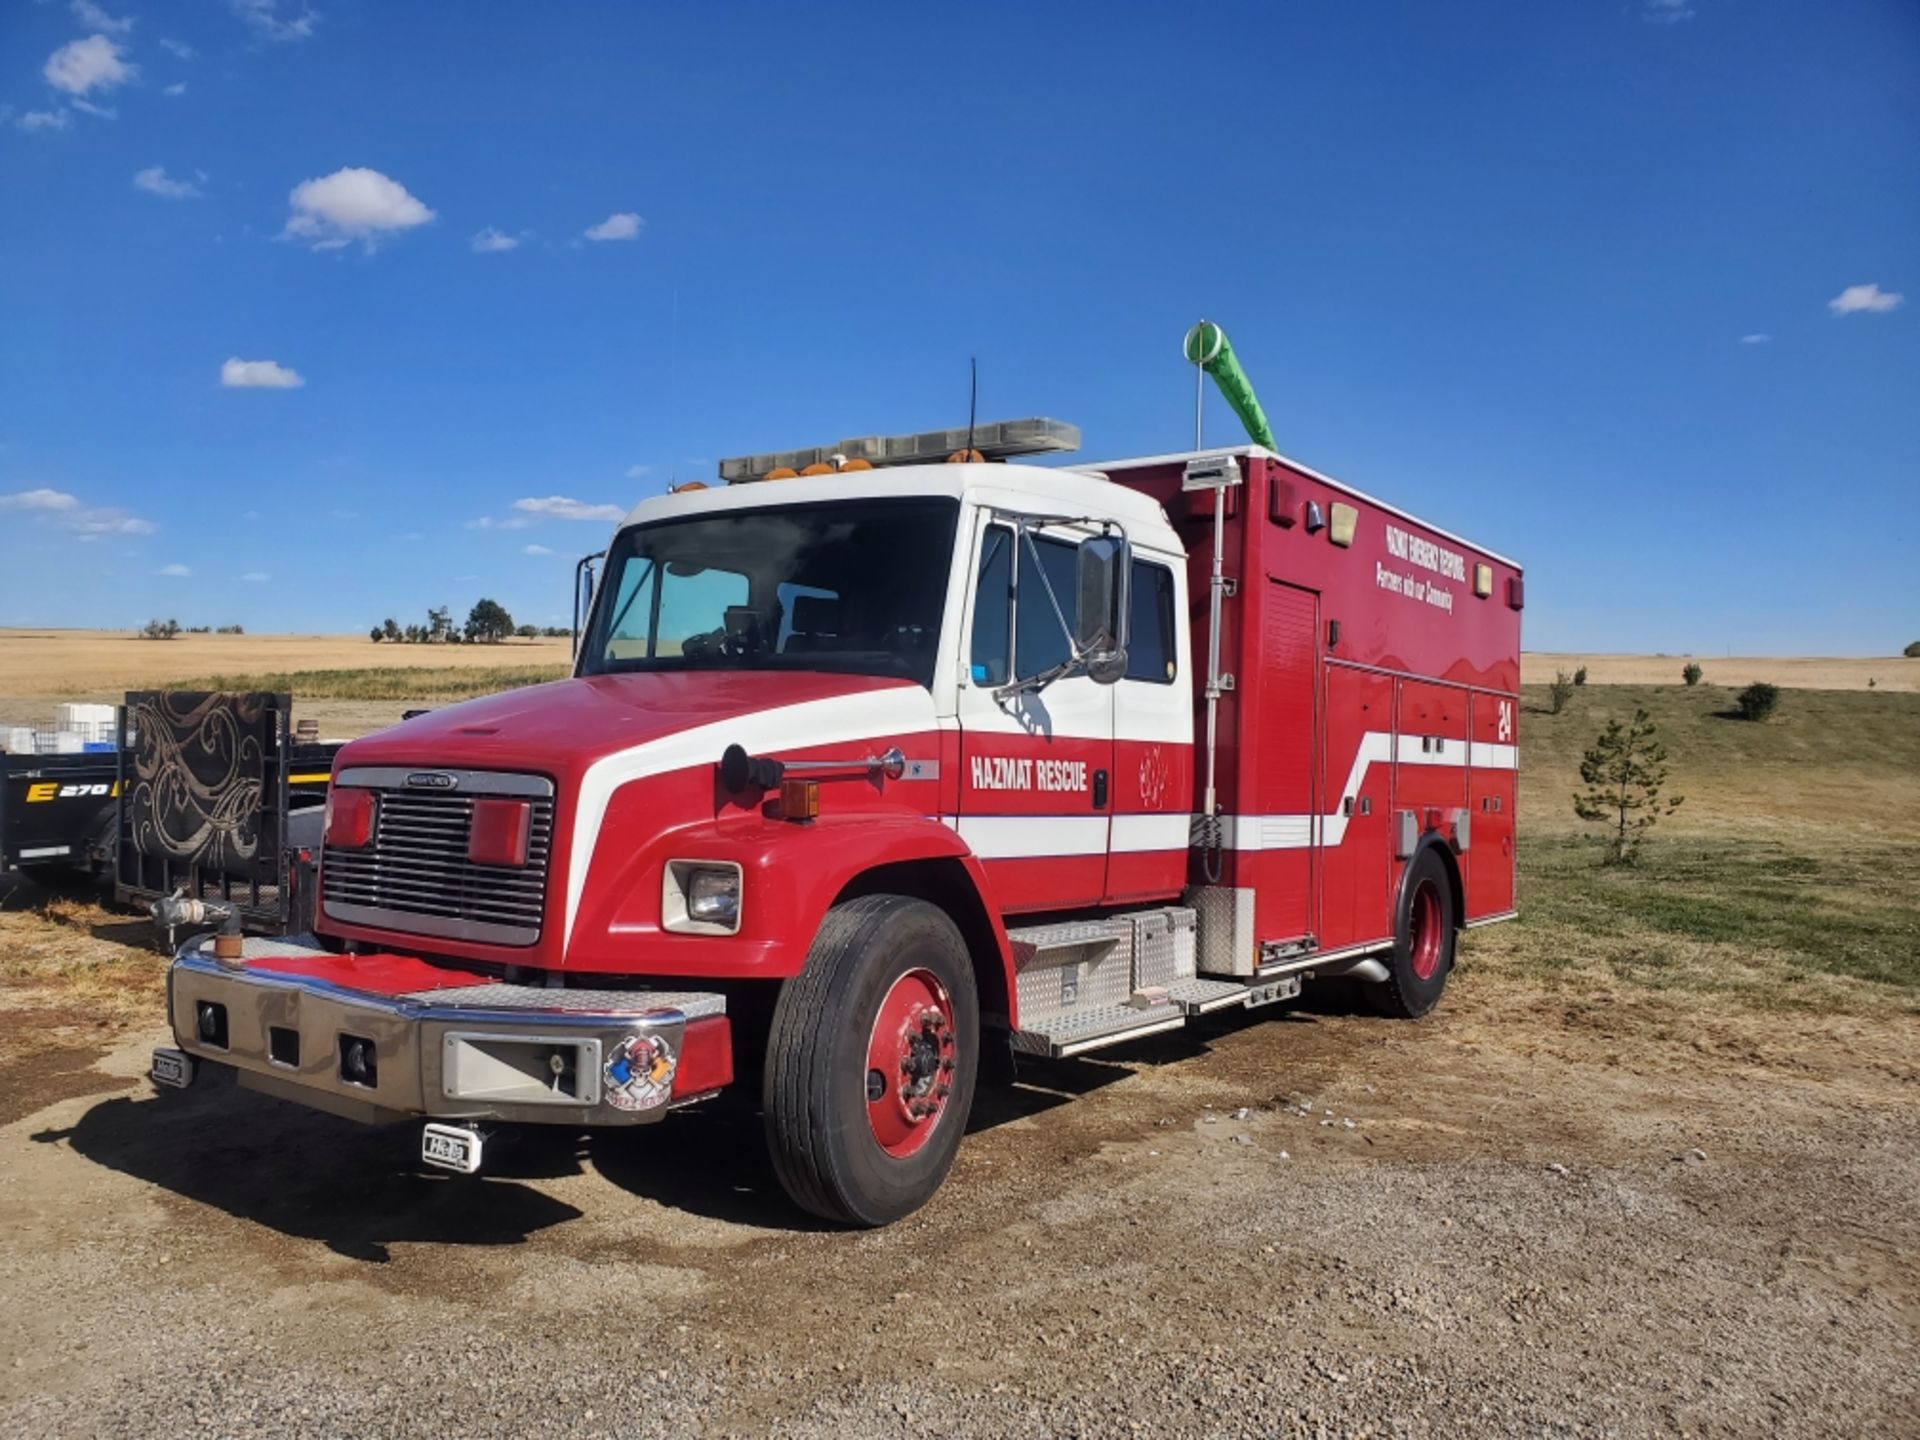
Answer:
(56, 665)
(1793, 672)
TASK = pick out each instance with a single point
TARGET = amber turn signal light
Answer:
(799, 799)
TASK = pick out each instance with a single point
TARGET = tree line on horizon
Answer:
(488, 623)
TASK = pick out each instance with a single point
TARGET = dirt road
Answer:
(1523, 1216)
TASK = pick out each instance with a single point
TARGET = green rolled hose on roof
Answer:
(1207, 347)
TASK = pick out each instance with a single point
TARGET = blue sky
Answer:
(1567, 278)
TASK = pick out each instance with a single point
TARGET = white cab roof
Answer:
(1032, 488)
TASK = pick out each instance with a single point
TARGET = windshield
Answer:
(855, 586)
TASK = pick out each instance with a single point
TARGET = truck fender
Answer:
(919, 856)
(794, 874)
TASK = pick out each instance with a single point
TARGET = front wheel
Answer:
(871, 1062)
(1423, 940)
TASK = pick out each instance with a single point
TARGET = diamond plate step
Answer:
(1198, 997)
(1092, 1028)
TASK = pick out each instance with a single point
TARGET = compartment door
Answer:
(1493, 776)
(1356, 785)
(1284, 764)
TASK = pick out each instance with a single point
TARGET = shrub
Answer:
(1560, 691)
(1624, 771)
(1758, 700)
(1692, 673)
(1580, 676)
(376, 634)
(1912, 652)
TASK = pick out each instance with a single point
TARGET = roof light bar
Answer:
(997, 440)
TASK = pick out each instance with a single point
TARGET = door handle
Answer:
(1099, 789)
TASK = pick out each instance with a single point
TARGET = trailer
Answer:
(87, 816)
(873, 769)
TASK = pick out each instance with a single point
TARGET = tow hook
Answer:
(452, 1147)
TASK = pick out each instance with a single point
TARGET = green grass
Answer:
(448, 682)
(1789, 880)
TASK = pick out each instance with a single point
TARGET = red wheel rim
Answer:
(1423, 934)
(910, 1063)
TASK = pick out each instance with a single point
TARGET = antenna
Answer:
(973, 398)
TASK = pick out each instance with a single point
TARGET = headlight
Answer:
(701, 897)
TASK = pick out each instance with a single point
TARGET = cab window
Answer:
(1150, 645)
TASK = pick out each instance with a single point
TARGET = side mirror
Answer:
(1105, 581)
(585, 579)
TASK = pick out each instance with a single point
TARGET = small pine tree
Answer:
(1692, 673)
(1758, 700)
(1580, 676)
(1560, 691)
(376, 634)
(1912, 652)
(390, 628)
(1624, 771)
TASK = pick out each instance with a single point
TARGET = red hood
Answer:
(559, 728)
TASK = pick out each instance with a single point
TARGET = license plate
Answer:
(173, 1068)
(450, 1148)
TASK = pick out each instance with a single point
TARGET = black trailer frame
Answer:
(203, 790)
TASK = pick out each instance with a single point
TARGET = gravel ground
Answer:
(1522, 1216)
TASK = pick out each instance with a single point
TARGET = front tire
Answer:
(1423, 939)
(871, 1062)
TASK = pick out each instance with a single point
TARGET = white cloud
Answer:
(624, 226)
(562, 507)
(82, 66)
(155, 181)
(238, 374)
(1667, 12)
(176, 571)
(512, 522)
(256, 577)
(639, 472)
(538, 550)
(44, 120)
(1865, 300)
(42, 499)
(267, 20)
(490, 240)
(177, 89)
(179, 49)
(56, 507)
(87, 107)
(95, 18)
(1757, 338)
(106, 521)
(353, 203)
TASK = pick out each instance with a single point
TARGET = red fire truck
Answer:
(866, 773)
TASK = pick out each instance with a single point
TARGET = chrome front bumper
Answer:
(484, 1052)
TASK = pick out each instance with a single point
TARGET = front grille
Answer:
(415, 875)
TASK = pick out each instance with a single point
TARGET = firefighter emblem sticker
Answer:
(639, 1073)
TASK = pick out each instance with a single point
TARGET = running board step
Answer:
(1148, 1013)
(1092, 1028)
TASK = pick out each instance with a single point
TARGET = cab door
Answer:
(1036, 766)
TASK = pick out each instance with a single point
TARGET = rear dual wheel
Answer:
(1424, 934)
(871, 1061)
